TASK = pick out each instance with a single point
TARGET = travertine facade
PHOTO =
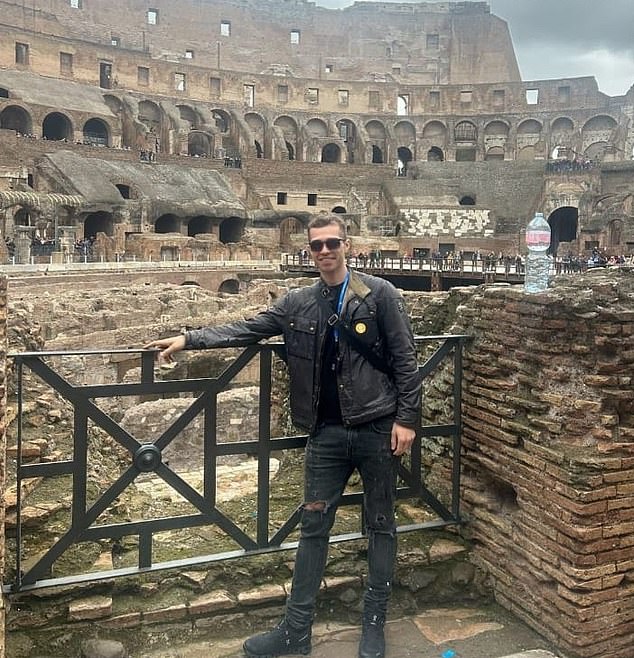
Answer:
(311, 109)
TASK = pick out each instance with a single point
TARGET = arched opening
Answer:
(377, 155)
(435, 154)
(404, 157)
(189, 116)
(331, 153)
(402, 105)
(348, 133)
(198, 145)
(495, 153)
(23, 217)
(124, 190)
(291, 150)
(340, 210)
(96, 133)
(16, 118)
(199, 224)
(563, 227)
(231, 230)
(435, 130)
(288, 227)
(375, 130)
(167, 224)
(496, 129)
(230, 286)
(529, 127)
(562, 125)
(600, 123)
(465, 131)
(596, 151)
(259, 151)
(150, 115)
(467, 200)
(98, 222)
(57, 127)
(222, 120)
(316, 128)
(4, 93)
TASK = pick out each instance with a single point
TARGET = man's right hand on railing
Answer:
(167, 347)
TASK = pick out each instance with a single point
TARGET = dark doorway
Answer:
(96, 133)
(167, 224)
(98, 222)
(291, 151)
(231, 230)
(200, 224)
(435, 155)
(231, 286)
(563, 227)
(57, 127)
(377, 155)
(105, 75)
(331, 153)
(339, 210)
(16, 118)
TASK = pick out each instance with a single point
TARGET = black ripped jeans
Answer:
(332, 454)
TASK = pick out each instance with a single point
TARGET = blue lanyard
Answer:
(342, 294)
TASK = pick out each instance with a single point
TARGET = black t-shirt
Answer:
(329, 410)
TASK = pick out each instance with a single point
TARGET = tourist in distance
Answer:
(355, 388)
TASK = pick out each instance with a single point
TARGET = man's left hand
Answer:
(402, 439)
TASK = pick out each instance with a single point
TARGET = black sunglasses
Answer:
(331, 243)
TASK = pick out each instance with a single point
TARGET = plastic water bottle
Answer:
(537, 260)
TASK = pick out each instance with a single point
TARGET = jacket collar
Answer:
(356, 286)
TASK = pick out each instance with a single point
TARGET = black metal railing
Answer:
(147, 457)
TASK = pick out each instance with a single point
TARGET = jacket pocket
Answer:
(300, 337)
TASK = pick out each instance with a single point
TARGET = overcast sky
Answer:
(567, 38)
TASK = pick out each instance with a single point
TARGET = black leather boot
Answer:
(372, 643)
(281, 641)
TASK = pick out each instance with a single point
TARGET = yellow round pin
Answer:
(360, 328)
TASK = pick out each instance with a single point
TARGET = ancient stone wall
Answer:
(548, 466)
(3, 445)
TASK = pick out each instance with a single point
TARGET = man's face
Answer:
(330, 258)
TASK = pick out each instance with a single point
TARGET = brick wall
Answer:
(548, 484)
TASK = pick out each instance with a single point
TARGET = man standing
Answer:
(355, 388)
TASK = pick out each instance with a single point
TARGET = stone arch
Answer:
(222, 120)
(199, 143)
(150, 114)
(199, 224)
(600, 123)
(377, 155)
(114, 103)
(564, 223)
(404, 155)
(189, 116)
(24, 216)
(435, 130)
(258, 126)
(468, 200)
(230, 286)
(529, 127)
(126, 191)
(596, 151)
(96, 132)
(57, 127)
(331, 153)
(98, 222)
(231, 230)
(405, 132)
(340, 210)
(465, 131)
(288, 126)
(375, 129)
(496, 128)
(347, 130)
(167, 224)
(435, 154)
(494, 153)
(562, 125)
(14, 117)
(289, 226)
(316, 128)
